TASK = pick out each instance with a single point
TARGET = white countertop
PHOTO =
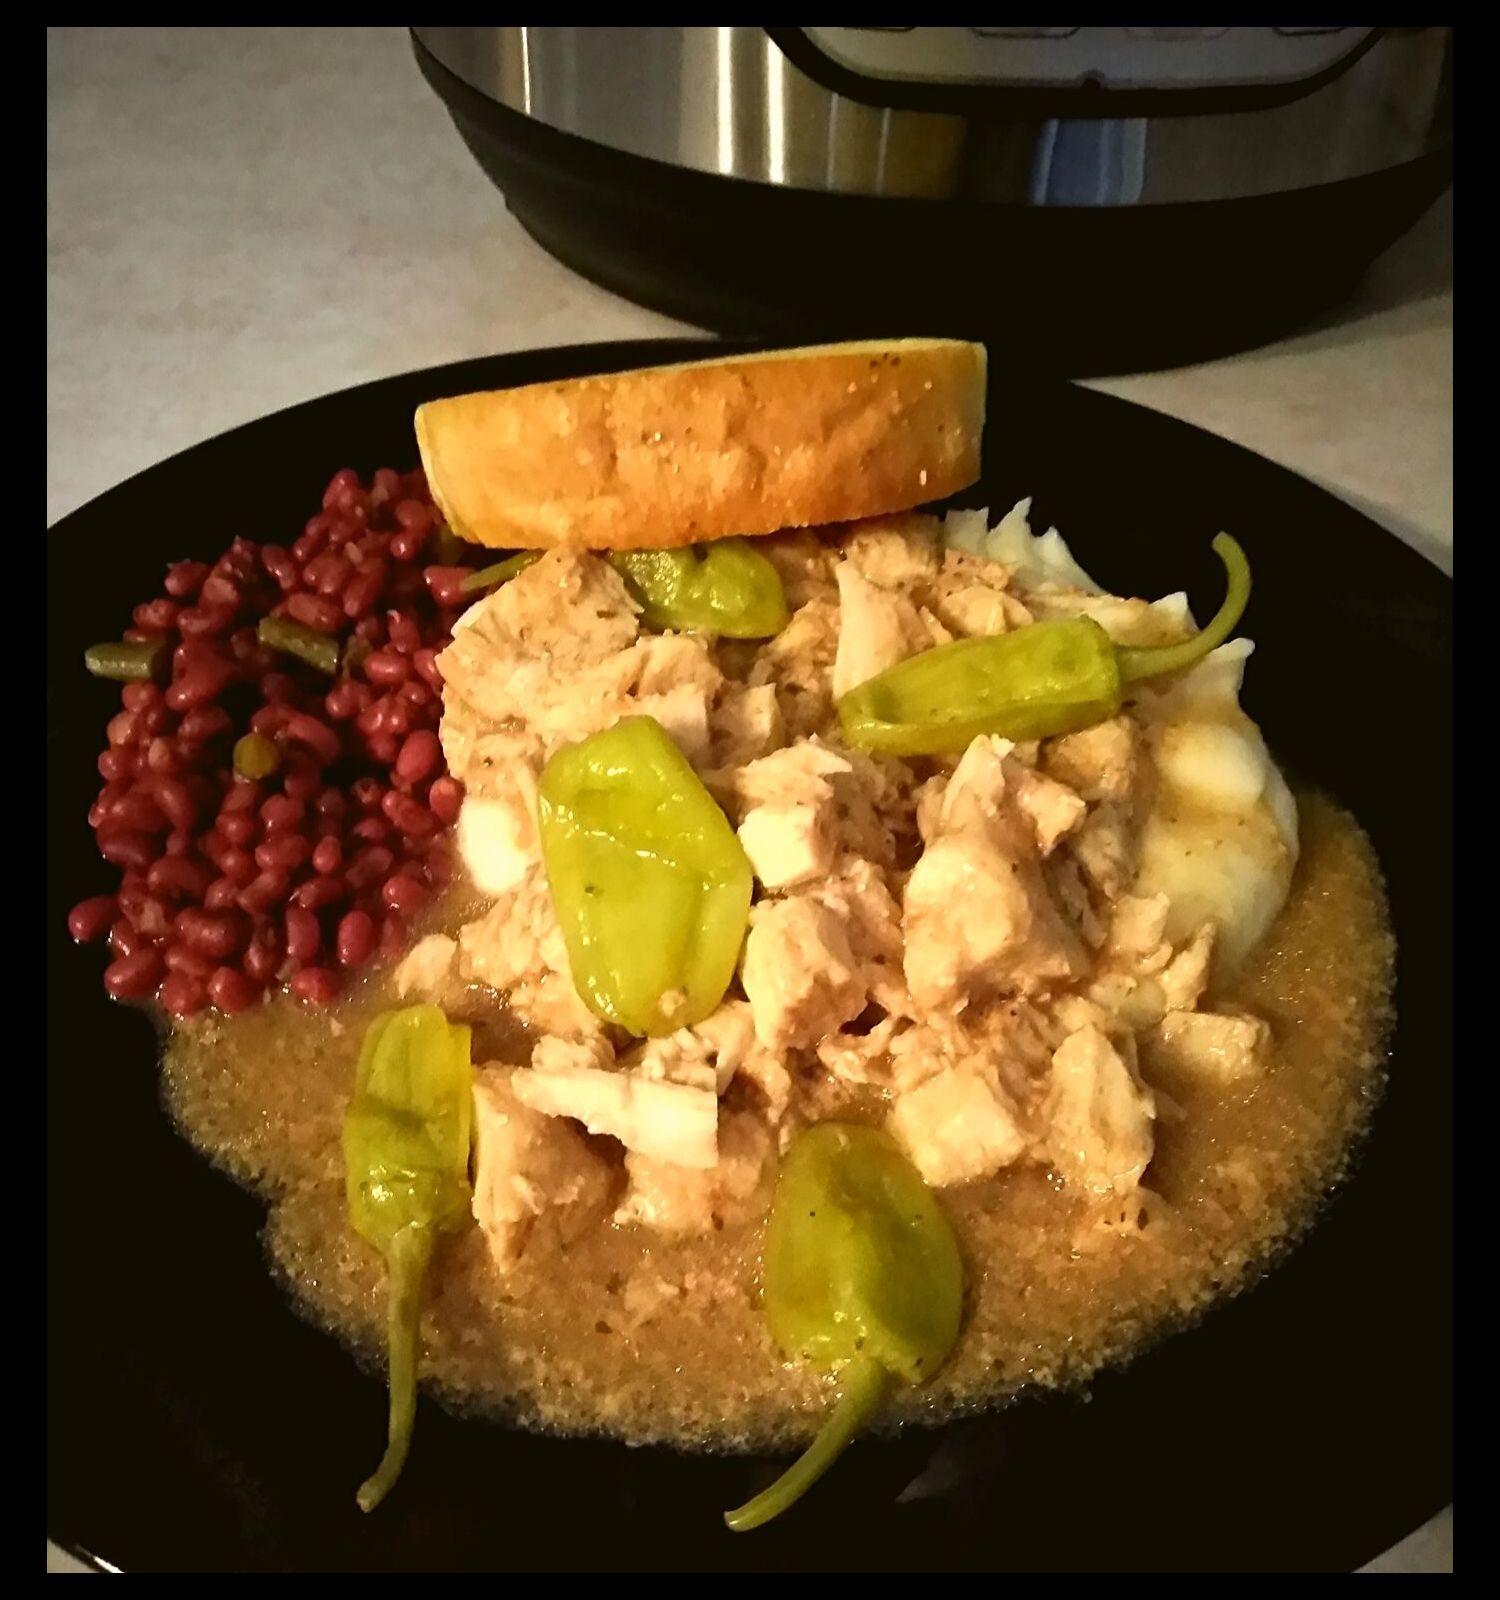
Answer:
(239, 219)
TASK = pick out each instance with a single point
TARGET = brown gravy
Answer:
(654, 1340)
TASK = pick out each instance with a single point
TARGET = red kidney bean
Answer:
(331, 802)
(308, 546)
(139, 696)
(413, 516)
(302, 782)
(386, 668)
(418, 696)
(179, 877)
(139, 635)
(182, 994)
(125, 849)
(410, 816)
(230, 990)
(328, 855)
(125, 938)
(185, 578)
(314, 736)
(328, 573)
(384, 748)
(198, 686)
(204, 723)
(282, 566)
(403, 631)
(104, 803)
(162, 759)
(183, 958)
(316, 985)
(268, 721)
(346, 699)
(404, 894)
(220, 591)
(116, 764)
(314, 611)
(91, 919)
(156, 616)
(263, 954)
(339, 486)
(284, 853)
(393, 936)
(421, 755)
(148, 912)
(356, 937)
(243, 795)
(303, 935)
(408, 545)
(386, 485)
(204, 621)
(238, 827)
(264, 891)
(369, 630)
(235, 863)
(123, 727)
(373, 829)
(174, 799)
(317, 894)
(219, 934)
(135, 976)
(446, 584)
(179, 842)
(280, 813)
(277, 687)
(395, 715)
(369, 867)
(362, 591)
(223, 894)
(444, 799)
(425, 661)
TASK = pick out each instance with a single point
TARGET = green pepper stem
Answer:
(865, 1388)
(501, 572)
(1137, 662)
(406, 1261)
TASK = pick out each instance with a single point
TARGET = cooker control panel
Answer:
(1109, 58)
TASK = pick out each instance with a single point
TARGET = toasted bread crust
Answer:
(669, 456)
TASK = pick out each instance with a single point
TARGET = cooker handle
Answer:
(1078, 101)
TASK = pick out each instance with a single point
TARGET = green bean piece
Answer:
(448, 549)
(319, 650)
(255, 756)
(127, 661)
(501, 572)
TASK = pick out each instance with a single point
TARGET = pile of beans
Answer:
(232, 887)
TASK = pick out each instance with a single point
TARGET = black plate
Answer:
(195, 1422)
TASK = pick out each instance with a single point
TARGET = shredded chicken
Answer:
(530, 1170)
(961, 937)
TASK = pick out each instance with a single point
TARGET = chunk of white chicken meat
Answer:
(897, 552)
(958, 1126)
(746, 724)
(800, 976)
(675, 1200)
(1100, 763)
(424, 968)
(531, 1171)
(877, 628)
(517, 948)
(799, 663)
(978, 913)
(803, 563)
(786, 801)
(971, 598)
(497, 833)
(1219, 1050)
(672, 1122)
(1099, 1116)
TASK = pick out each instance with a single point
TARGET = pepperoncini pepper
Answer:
(1046, 678)
(650, 884)
(731, 589)
(860, 1266)
(406, 1160)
